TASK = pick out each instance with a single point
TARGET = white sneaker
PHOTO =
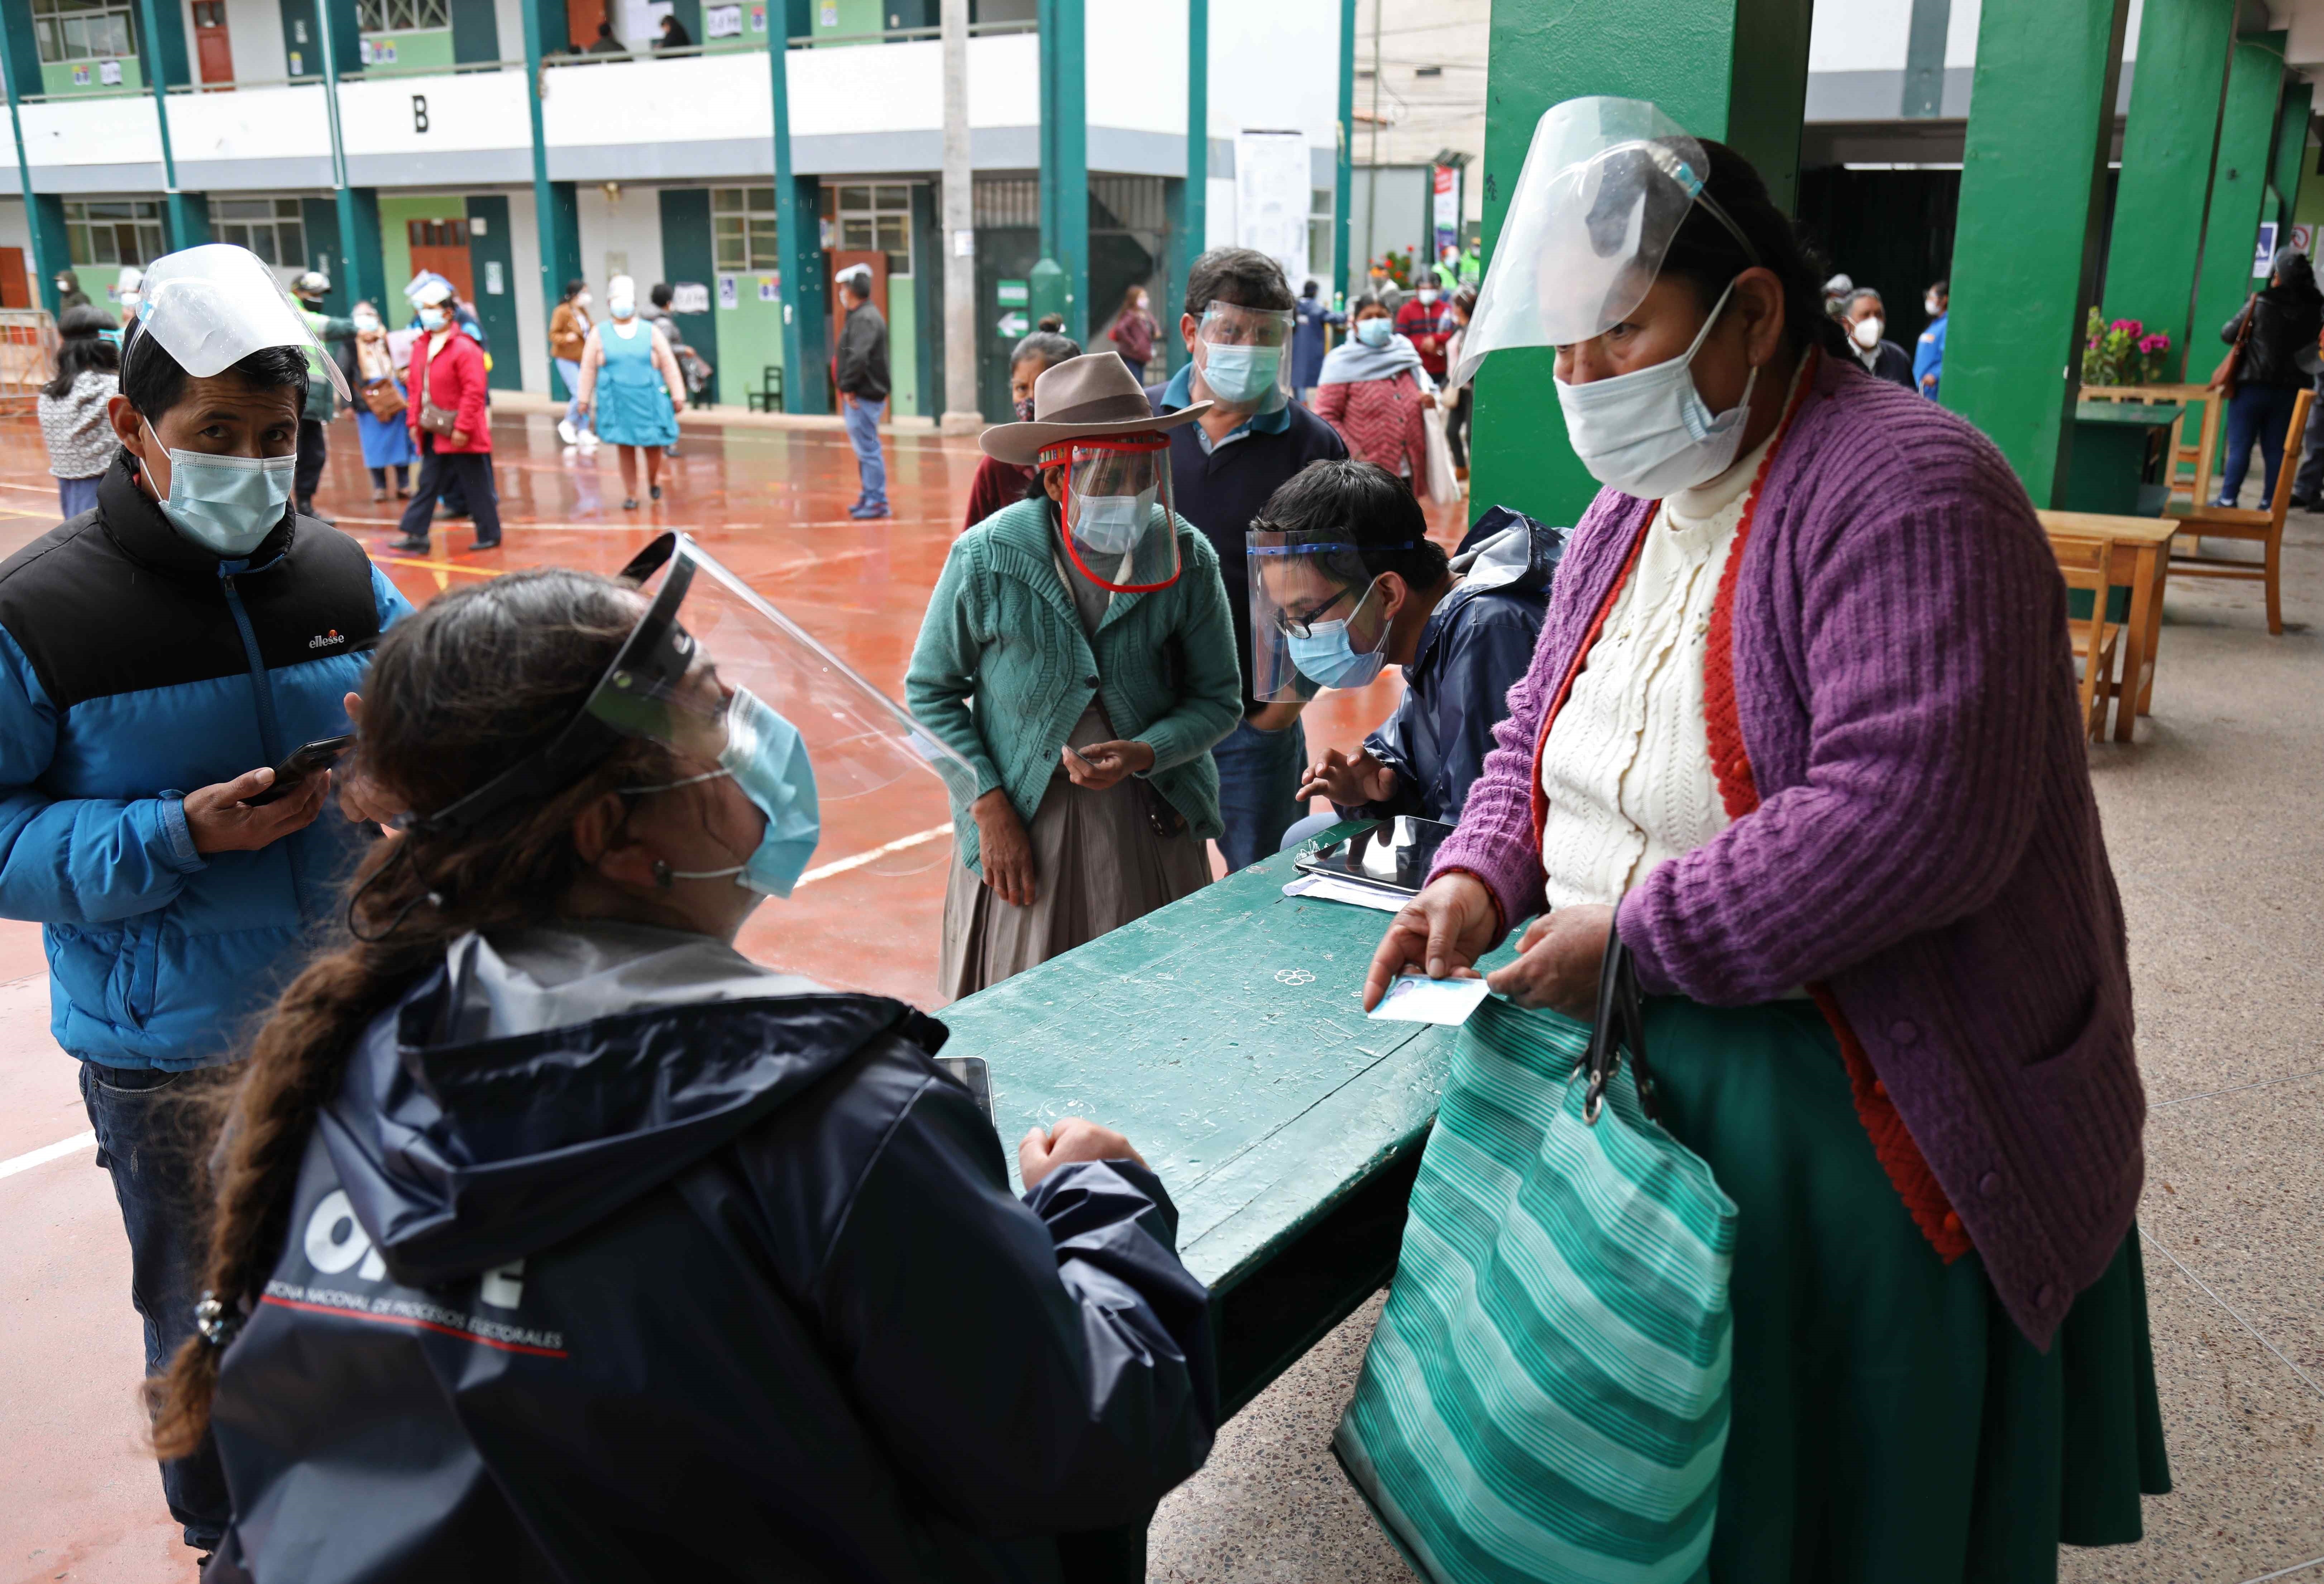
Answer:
(588, 443)
(565, 432)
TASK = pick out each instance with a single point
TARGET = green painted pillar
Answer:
(475, 32)
(1192, 228)
(2239, 173)
(44, 213)
(1731, 70)
(2290, 158)
(2026, 250)
(1174, 290)
(1064, 158)
(185, 216)
(553, 223)
(2165, 188)
(1343, 177)
(798, 241)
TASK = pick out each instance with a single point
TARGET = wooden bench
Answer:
(1225, 1034)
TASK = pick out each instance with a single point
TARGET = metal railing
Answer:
(28, 340)
(563, 58)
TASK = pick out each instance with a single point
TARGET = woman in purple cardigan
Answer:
(1802, 725)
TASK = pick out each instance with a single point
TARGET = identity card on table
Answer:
(1412, 997)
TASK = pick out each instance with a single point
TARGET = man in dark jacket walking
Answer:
(863, 370)
(1237, 326)
(186, 633)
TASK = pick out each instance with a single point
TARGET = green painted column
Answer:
(798, 241)
(2291, 161)
(185, 216)
(475, 32)
(2025, 252)
(1194, 199)
(1731, 70)
(1343, 177)
(1174, 291)
(44, 213)
(2165, 190)
(1064, 160)
(2239, 173)
(558, 239)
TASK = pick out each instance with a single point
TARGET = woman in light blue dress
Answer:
(631, 388)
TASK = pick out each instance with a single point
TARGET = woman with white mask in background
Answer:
(1078, 653)
(1372, 390)
(1800, 738)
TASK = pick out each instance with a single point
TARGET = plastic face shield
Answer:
(1244, 355)
(212, 305)
(1309, 592)
(1606, 184)
(1120, 530)
(706, 637)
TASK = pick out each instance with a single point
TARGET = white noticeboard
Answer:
(721, 21)
(641, 20)
(1271, 196)
(690, 297)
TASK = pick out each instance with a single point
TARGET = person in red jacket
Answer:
(447, 377)
(1425, 320)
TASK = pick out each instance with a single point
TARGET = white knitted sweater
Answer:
(1626, 769)
(81, 443)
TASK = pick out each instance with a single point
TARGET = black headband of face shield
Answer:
(650, 663)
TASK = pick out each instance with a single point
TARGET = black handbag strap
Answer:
(1621, 1017)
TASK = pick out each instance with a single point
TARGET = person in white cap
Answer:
(861, 362)
(189, 630)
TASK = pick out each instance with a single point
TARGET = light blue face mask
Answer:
(1109, 525)
(1376, 331)
(225, 505)
(1243, 377)
(1327, 657)
(767, 759)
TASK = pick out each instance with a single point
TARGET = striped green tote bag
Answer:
(1545, 1397)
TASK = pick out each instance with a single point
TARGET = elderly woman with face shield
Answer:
(1800, 737)
(1078, 653)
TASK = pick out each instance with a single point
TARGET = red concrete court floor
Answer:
(83, 1502)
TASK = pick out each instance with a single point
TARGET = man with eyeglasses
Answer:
(1236, 322)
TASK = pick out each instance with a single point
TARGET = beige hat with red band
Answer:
(1092, 394)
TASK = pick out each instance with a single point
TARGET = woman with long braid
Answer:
(554, 1237)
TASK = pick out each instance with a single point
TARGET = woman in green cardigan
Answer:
(1078, 652)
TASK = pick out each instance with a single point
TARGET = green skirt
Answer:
(1890, 1423)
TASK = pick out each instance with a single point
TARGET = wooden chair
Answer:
(2084, 564)
(2197, 458)
(769, 396)
(2264, 529)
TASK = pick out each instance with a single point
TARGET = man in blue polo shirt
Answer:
(1237, 326)
(1929, 356)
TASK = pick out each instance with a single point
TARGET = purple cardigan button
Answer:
(1989, 1184)
(1904, 1032)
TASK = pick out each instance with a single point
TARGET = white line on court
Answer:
(47, 1153)
(80, 1141)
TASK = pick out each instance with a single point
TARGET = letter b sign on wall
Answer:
(419, 112)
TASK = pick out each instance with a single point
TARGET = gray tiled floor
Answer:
(2215, 822)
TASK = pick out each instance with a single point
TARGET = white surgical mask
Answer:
(580, 300)
(225, 505)
(366, 322)
(1867, 332)
(1934, 306)
(1375, 331)
(1241, 377)
(1428, 294)
(1649, 433)
(433, 318)
(622, 307)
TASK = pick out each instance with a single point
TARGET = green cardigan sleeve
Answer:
(1210, 701)
(944, 658)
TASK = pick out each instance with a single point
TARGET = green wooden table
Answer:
(2108, 466)
(1225, 1034)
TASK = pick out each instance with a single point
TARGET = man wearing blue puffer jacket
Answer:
(158, 655)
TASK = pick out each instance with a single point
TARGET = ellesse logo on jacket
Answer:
(330, 640)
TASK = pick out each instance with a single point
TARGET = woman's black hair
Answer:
(83, 348)
(572, 286)
(153, 381)
(1708, 255)
(1051, 324)
(1357, 307)
(1375, 508)
(1048, 345)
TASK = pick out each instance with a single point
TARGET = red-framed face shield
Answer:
(1120, 525)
